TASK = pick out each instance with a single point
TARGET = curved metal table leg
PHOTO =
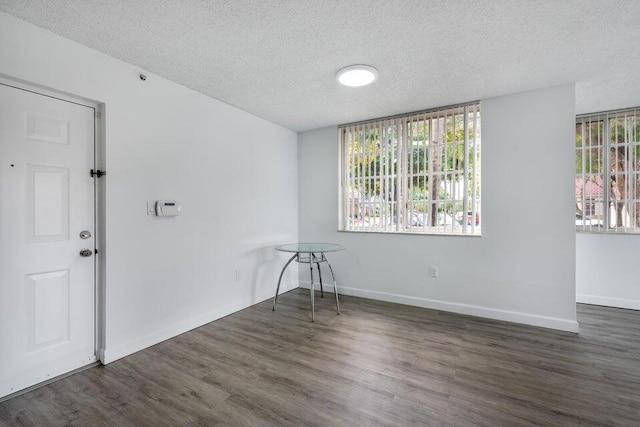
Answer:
(335, 286)
(320, 276)
(313, 310)
(275, 299)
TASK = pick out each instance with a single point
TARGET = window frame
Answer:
(606, 174)
(402, 200)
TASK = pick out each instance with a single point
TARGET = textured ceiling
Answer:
(277, 59)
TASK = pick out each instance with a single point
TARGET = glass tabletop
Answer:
(310, 247)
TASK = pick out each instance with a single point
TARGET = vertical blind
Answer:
(607, 186)
(418, 173)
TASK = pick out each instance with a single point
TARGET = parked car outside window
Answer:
(585, 220)
(469, 218)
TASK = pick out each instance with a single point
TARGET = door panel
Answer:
(40, 127)
(47, 290)
(48, 307)
(48, 203)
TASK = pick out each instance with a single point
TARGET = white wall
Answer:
(607, 270)
(523, 267)
(235, 175)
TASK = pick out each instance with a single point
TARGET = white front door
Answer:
(47, 289)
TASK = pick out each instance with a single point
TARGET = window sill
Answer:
(409, 233)
(609, 231)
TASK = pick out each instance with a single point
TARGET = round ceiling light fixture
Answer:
(357, 75)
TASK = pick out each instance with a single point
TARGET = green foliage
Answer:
(589, 148)
(623, 143)
(435, 145)
(590, 143)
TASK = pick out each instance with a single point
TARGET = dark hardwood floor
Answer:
(376, 364)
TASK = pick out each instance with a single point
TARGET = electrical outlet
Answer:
(151, 208)
(433, 271)
(237, 275)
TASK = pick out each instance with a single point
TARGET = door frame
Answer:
(99, 200)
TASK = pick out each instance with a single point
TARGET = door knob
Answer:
(86, 252)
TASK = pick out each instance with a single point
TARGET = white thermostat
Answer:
(168, 208)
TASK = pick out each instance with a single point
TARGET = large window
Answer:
(607, 187)
(418, 173)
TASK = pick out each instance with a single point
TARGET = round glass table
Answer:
(310, 253)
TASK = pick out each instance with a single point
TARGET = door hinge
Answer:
(97, 173)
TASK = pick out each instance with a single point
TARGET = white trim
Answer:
(113, 353)
(471, 310)
(45, 91)
(632, 304)
(100, 228)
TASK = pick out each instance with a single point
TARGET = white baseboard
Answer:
(632, 304)
(472, 310)
(112, 354)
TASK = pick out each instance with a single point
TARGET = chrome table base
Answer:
(312, 259)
